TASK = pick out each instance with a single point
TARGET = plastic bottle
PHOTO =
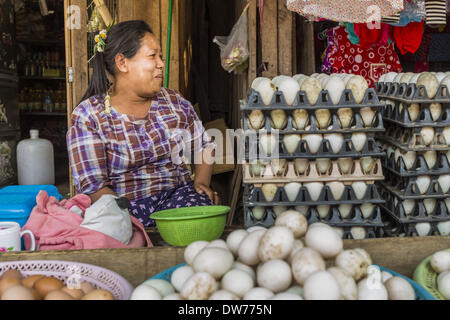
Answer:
(35, 164)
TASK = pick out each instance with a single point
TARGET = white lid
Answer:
(34, 134)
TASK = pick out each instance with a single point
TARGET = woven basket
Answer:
(72, 272)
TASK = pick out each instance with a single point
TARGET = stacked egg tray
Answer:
(410, 93)
(324, 102)
(401, 187)
(313, 174)
(253, 196)
(371, 223)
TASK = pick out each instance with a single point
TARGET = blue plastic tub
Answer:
(32, 190)
(16, 207)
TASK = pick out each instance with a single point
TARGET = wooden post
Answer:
(270, 38)
(252, 42)
(76, 59)
(285, 26)
(308, 56)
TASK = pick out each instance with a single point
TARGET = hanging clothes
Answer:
(436, 12)
(346, 10)
(371, 63)
(369, 37)
(409, 37)
(414, 10)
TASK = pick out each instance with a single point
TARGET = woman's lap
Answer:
(178, 197)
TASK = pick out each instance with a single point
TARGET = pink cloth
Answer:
(57, 228)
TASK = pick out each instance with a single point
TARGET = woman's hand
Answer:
(202, 189)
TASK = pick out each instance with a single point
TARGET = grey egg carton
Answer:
(393, 228)
(419, 213)
(254, 196)
(370, 149)
(347, 100)
(410, 93)
(419, 168)
(370, 225)
(357, 124)
(407, 188)
(409, 139)
(392, 116)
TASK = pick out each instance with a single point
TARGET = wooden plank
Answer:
(125, 10)
(76, 58)
(149, 11)
(285, 26)
(69, 93)
(308, 57)
(137, 265)
(252, 42)
(270, 39)
(236, 186)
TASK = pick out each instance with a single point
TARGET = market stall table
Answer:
(402, 255)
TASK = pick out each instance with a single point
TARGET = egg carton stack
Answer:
(314, 152)
(417, 145)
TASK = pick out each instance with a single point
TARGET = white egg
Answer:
(399, 289)
(215, 261)
(274, 275)
(258, 293)
(346, 283)
(143, 292)
(326, 241)
(238, 282)
(304, 263)
(293, 220)
(180, 275)
(199, 286)
(234, 240)
(276, 243)
(321, 285)
(368, 290)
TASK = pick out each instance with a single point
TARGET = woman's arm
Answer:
(203, 172)
(97, 195)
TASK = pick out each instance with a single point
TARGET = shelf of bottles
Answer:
(46, 101)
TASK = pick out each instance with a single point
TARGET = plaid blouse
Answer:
(133, 156)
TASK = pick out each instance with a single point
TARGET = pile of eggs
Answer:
(440, 263)
(288, 261)
(14, 286)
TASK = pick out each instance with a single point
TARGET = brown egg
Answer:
(98, 295)
(17, 293)
(86, 287)
(47, 284)
(58, 295)
(36, 295)
(30, 280)
(6, 283)
(12, 274)
(76, 294)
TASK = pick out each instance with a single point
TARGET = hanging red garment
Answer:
(409, 37)
(345, 57)
(370, 37)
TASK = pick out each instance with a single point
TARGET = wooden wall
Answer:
(155, 13)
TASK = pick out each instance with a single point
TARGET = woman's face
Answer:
(145, 69)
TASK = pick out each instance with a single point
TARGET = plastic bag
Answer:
(234, 48)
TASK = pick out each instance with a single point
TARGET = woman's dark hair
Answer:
(123, 38)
